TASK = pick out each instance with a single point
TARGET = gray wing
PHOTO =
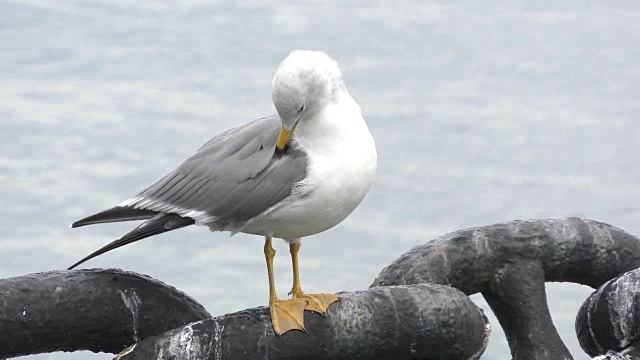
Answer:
(234, 177)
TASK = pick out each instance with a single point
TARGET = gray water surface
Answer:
(482, 113)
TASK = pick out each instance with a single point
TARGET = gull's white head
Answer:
(303, 84)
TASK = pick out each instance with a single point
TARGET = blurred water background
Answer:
(483, 112)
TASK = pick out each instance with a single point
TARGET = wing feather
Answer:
(233, 178)
(159, 224)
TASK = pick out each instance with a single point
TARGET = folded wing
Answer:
(230, 180)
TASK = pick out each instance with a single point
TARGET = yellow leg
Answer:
(316, 302)
(285, 314)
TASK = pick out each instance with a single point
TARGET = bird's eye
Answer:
(301, 108)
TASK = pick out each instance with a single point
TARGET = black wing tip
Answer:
(83, 222)
(85, 259)
(158, 225)
(90, 256)
(76, 224)
(116, 214)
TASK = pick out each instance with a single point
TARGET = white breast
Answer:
(342, 163)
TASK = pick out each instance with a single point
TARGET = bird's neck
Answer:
(338, 122)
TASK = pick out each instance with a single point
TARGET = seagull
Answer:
(289, 175)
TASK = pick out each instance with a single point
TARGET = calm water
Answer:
(481, 114)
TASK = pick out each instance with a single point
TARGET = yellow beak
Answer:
(285, 136)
